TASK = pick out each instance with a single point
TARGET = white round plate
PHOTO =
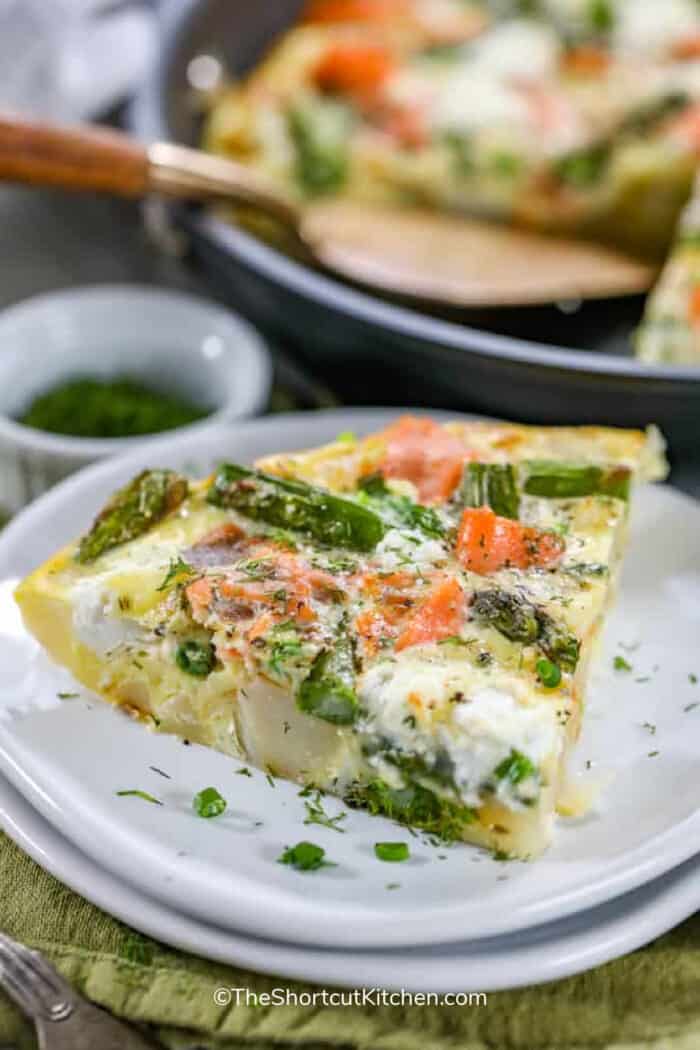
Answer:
(642, 731)
(546, 953)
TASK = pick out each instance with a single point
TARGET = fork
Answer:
(63, 1019)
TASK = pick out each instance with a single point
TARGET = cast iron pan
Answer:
(555, 364)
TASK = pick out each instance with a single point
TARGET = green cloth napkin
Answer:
(650, 999)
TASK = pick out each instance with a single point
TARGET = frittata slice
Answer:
(670, 329)
(405, 620)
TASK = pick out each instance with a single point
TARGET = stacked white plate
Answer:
(448, 918)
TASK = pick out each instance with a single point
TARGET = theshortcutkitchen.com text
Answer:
(230, 996)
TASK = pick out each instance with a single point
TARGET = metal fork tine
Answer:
(43, 970)
(31, 980)
(20, 992)
(63, 1018)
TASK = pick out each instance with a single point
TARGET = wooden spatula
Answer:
(445, 259)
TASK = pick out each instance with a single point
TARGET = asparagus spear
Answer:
(328, 519)
(522, 621)
(553, 479)
(556, 642)
(319, 130)
(510, 614)
(132, 511)
(329, 690)
(583, 167)
(491, 485)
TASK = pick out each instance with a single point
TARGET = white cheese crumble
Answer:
(481, 730)
(521, 49)
(402, 549)
(651, 27)
(471, 100)
(96, 622)
(486, 729)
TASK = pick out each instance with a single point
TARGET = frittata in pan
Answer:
(579, 118)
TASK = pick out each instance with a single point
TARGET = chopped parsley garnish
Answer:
(270, 779)
(315, 814)
(135, 793)
(285, 646)
(652, 754)
(195, 658)
(208, 803)
(393, 885)
(257, 568)
(693, 678)
(284, 538)
(96, 407)
(650, 727)
(401, 509)
(177, 569)
(516, 768)
(334, 563)
(305, 856)
(244, 772)
(393, 852)
(620, 664)
(691, 707)
(67, 696)
(413, 805)
(548, 673)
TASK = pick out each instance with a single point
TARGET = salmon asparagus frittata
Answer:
(577, 118)
(581, 118)
(405, 620)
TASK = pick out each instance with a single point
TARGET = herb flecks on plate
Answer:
(391, 852)
(137, 793)
(315, 814)
(305, 856)
(209, 803)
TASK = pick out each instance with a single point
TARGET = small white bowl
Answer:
(172, 342)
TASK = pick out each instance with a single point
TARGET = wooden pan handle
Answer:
(90, 158)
